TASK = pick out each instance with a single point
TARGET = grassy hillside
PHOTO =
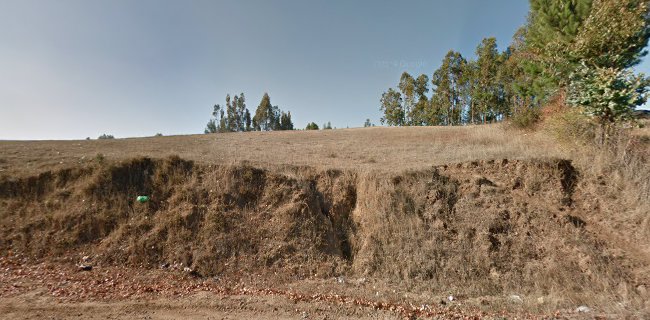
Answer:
(478, 212)
(387, 149)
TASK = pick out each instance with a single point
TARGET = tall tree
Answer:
(391, 106)
(610, 43)
(448, 85)
(240, 114)
(614, 35)
(443, 95)
(218, 121)
(274, 117)
(418, 115)
(247, 120)
(407, 88)
(468, 87)
(211, 127)
(486, 93)
(552, 28)
(264, 115)
(516, 77)
(556, 21)
(285, 121)
(235, 116)
(230, 113)
(458, 80)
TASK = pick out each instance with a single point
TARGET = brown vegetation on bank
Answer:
(558, 225)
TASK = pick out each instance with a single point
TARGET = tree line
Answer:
(234, 116)
(581, 51)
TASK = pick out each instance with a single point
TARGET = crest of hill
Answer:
(377, 148)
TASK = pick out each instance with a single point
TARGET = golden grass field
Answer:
(376, 148)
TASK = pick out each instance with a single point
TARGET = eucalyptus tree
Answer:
(391, 106)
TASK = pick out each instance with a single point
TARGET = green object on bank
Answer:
(142, 199)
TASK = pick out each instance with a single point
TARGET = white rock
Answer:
(584, 309)
(516, 298)
(450, 298)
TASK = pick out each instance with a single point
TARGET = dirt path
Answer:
(202, 305)
(58, 290)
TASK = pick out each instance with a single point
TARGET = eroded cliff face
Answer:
(480, 228)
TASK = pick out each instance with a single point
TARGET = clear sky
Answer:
(71, 69)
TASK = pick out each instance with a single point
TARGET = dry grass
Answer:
(376, 148)
(644, 130)
(613, 190)
(423, 210)
(477, 230)
(616, 175)
(494, 228)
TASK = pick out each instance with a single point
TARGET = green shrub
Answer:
(572, 125)
(312, 126)
(526, 119)
(608, 94)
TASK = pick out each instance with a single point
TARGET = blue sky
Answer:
(76, 68)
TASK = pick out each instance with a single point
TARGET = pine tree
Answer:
(551, 31)
(614, 35)
(515, 75)
(556, 21)
(610, 43)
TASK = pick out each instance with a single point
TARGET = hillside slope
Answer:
(438, 223)
(377, 148)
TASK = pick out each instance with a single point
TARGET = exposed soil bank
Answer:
(475, 229)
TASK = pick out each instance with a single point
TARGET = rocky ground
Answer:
(64, 290)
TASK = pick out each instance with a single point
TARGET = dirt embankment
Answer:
(477, 229)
